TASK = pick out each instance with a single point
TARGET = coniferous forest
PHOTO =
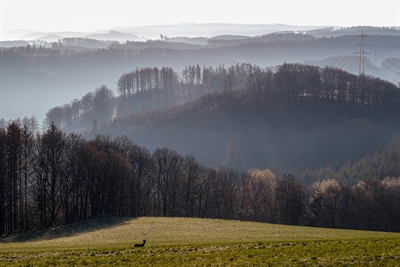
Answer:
(294, 144)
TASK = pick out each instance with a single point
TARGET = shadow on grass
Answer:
(66, 230)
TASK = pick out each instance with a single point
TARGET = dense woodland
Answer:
(288, 119)
(325, 89)
(52, 177)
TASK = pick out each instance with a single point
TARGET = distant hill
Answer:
(229, 37)
(114, 35)
(190, 40)
(355, 30)
(35, 35)
(30, 36)
(84, 43)
(212, 29)
(49, 38)
(280, 36)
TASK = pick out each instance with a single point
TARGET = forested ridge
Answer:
(289, 118)
(295, 144)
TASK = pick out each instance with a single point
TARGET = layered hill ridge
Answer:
(69, 67)
(293, 119)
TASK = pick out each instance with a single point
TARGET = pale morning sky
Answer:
(90, 15)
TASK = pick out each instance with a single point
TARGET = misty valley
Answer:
(279, 128)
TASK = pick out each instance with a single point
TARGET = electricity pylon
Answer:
(362, 53)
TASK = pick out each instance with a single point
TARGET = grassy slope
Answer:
(186, 241)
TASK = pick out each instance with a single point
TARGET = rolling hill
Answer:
(193, 242)
(178, 231)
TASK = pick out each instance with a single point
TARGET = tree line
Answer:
(52, 177)
(148, 88)
(145, 89)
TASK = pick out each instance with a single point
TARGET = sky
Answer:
(90, 15)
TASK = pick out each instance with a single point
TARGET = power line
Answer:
(395, 62)
(388, 54)
(345, 56)
(386, 71)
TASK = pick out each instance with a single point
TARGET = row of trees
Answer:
(144, 79)
(150, 88)
(54, 177)
(191, 78)
(338, 90)
(98, 104)
(146, 89)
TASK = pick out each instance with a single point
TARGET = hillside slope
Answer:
(268, 134)
(178, 231)
(206, 242)
(289, 118)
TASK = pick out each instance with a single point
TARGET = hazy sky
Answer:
(90, 15)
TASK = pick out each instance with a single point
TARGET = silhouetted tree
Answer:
(193, 174)
(49, 170)
(291, 199)
(259, 195)
(168, 166)
(3, 174)
(12, 181)
(101, 101)
(324, 203)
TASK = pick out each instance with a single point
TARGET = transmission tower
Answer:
(362, 52)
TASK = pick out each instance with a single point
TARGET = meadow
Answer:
(197, 242)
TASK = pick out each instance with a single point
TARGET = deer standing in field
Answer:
(140, 245)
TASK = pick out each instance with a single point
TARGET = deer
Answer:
(140, 245)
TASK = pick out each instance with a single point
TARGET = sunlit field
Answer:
(197, 242)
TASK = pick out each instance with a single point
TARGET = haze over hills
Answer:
(207, 30)
(114, 36)
(80, 62)
(183, 29)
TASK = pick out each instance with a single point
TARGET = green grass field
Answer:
(197, 242)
